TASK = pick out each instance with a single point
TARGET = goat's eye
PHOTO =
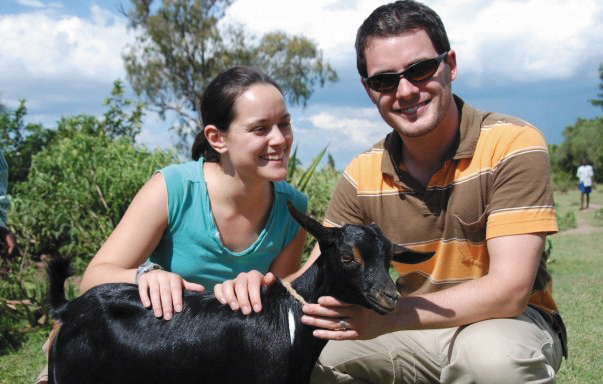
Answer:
(347, 258)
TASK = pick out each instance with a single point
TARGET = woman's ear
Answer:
(215, 138)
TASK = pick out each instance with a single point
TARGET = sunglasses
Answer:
(416, 73)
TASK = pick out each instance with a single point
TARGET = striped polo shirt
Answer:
(495, 182)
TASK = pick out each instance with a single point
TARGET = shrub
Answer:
(567, 220)
(563, 181)
(76, 192)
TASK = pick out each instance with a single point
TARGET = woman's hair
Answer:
(217, 104)
(394, 19)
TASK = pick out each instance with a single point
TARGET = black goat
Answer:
(107, 336)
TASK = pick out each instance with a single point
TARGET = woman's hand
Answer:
(337, 320)
(244, 292)
(163, 291)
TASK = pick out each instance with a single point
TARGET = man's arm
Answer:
(5, 234)
(503, 292)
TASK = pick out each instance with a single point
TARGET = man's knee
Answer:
(491, 352)
(353, 362)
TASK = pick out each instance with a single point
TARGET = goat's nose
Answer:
(385, 299)
(392, 296)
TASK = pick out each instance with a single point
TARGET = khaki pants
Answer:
(520, 350)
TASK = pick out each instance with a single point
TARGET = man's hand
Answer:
(338, 320)
(244, 292)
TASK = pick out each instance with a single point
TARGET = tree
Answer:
(180, 48)
(583, 140)
(21, 141)
(599, 102)
(118, 121)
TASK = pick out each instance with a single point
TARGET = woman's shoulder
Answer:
(187, 171)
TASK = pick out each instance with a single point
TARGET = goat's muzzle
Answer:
(383, 300)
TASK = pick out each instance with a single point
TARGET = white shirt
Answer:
(585, 174)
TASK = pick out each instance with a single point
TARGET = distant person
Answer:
(585, 174)
(8, 244)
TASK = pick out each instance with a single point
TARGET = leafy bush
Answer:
(22, 298)
(567, 220)
(563, 181)
(76, 192)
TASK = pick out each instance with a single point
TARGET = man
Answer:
(585, 174)
(471, 186)
(7, 240)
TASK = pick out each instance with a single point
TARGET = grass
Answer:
(576, 267)
(22, 366)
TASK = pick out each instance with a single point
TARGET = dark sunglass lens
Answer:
(383, 81)
(422, 71)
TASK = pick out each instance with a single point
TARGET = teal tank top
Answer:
(191, 245)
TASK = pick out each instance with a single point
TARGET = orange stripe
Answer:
(453, 260)
(518, 221)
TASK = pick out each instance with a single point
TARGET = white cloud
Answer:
(330, 23)
(42, 45)
(517, 40)
(32, 3)
(523, 41)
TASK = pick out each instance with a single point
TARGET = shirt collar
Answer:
(464, 147)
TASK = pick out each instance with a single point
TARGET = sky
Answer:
(534, 59)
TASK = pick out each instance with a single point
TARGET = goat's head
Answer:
(357, 258)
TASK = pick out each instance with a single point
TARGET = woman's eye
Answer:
(259, 129)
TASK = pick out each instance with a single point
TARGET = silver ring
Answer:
(343, 325)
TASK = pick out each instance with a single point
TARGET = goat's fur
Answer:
(107, 336)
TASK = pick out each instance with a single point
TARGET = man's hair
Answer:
(396, 18)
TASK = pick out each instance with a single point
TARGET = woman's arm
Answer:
(131, 243)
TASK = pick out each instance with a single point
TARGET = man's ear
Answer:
(215, 138)
(451, 61)
(368, 91)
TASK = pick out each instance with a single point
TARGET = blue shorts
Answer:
(584, 189)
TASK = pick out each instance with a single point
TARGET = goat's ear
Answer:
(408, 256)
(316, 229)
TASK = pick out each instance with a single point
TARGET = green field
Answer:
(576, 264)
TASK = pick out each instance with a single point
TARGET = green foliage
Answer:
(300, 178)
(180, 47)
(599, 102)
(563, 181)
(565, 220)
(21, 365)
(77, 190)
(22, 302)
(118, 121)
(20, 141)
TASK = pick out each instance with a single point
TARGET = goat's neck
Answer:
(313, 283)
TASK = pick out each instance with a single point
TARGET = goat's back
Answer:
(107, 336)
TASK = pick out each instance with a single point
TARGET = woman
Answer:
(224, 213)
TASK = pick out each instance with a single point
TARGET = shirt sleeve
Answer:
(344, 207)
(521, 195)
(4, 201)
